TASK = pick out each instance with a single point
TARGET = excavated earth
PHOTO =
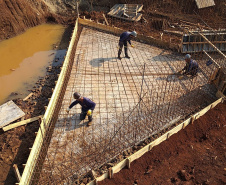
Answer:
(19, 15)
(195, 155)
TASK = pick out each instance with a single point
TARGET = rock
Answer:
(184, 176)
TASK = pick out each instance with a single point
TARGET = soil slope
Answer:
(16, 16)
(195, 155)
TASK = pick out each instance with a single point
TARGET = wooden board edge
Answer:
(33, 157)
(118, 167)
(20, 123)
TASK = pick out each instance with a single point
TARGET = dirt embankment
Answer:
(17, 16)
(195, 155)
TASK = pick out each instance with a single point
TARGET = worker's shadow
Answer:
(172, 78)
(72, 122)
(98, 62)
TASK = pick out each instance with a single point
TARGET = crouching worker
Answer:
(191, 67)
(87, 107)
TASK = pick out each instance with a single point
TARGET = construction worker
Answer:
(87, 106)
(124, 38)
(191, 67)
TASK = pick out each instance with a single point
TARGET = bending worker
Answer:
(191, 67)
(124, 38)
(87, 106)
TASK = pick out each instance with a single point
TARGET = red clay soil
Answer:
(195, 155)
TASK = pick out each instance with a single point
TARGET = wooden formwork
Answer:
(126, 162)
(142, 38)
(36, 149)
(45, 124)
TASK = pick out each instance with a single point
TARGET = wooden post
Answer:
(105, 19)
(219, 51)
(77, 8)
(128, 163)
(110, 173)
(17, 173)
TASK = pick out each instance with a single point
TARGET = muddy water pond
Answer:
(24, 59)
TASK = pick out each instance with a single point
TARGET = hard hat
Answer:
(77, 95)
(187, 56)
(134, 33)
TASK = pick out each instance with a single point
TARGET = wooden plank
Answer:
(118, 31)
(211, 58)
(138, 154)
(119, 166)
(17, 173)
(9, 112)
(214, 104)
(35, 152)
(20, 123)
(219, 51)
(105, 19)
(204, 3)
(102, 177)
(28, 96)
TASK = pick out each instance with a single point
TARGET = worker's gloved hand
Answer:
(68, 109)
(132, 46)
(89, 112)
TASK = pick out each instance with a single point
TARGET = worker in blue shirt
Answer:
(191, 67)
(87, 106)
(124, 38)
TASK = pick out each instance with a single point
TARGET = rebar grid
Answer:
(135, 98)
(126, 111)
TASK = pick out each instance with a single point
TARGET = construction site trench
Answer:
(138, 100)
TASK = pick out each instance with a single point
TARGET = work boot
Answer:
(89, 123)
(119, 53)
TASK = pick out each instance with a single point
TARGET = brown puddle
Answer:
(24, 59)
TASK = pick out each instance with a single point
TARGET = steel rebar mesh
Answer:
(135, 97)
(127, 111)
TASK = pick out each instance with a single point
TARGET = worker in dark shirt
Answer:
(124, 38)
(191, 67)
(87, 106)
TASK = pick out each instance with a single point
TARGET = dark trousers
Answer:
(121, 44)
(83, 116)
(192, 72)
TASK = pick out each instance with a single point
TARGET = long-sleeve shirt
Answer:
(125, 37)
(190, 66)
(86, 104)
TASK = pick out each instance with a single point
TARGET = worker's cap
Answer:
(134, 33)
(187, 56)
(77, 95)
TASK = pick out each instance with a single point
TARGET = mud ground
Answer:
(195, 155)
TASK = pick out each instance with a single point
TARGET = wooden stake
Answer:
(17, 173)
(105, 19)
(128, 163)
(110, 173)
(28, 96)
